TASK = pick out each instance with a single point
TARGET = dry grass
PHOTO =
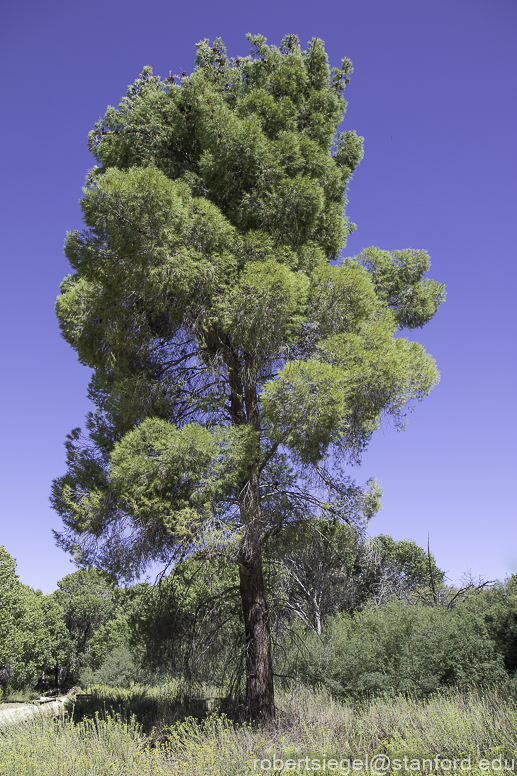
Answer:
(309, 725)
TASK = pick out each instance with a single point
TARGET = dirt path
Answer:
(16, 712)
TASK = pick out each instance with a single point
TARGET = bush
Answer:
(118, 670)
(498, 607)
(400, 649)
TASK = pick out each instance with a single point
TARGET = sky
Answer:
(433, 94)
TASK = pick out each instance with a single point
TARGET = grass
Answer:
(309, 725)
(19, 696)
(153, 707)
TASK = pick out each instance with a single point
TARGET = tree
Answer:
(329, 567)
(30, 630)
(401, 569)
(315, 572)
(9, 587)
(88, 603)
(498, 607)
(235, 362)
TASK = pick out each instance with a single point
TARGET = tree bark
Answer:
(260, 701)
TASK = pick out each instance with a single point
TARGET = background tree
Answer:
(92, 613)
(329, 567)
(396, 568)
(9, 588)
(234, 364)
(498, 607)
(31, 631)
(316, 572)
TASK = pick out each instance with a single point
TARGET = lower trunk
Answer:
(260, 699)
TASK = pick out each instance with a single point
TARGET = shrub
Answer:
(400, 649)
(118, 670)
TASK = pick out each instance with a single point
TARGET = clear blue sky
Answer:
(434, 95)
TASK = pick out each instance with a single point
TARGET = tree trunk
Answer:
(260, 699)
(317, 615)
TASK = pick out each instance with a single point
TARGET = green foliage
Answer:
(9, 586)
(252, 133)
(30, 630)
(46, 641)
(117, 670)
(91, 611)
(111, 635)
(399, 280)
(228, 351)
(401, 649)
(174, 477)
(497, 606)
(203, 298)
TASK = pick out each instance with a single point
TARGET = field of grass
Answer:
(311, 731)
(19, 696)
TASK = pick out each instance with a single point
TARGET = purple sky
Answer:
(433, 93)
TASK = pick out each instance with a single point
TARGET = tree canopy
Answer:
(238, 362)
(31, 630)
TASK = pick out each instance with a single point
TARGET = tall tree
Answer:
(236, 360)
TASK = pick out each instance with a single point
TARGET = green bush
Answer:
(400, 649)
(118, 670)
(497, 606)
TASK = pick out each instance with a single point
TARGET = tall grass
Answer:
(153, 707)
(309, 725)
